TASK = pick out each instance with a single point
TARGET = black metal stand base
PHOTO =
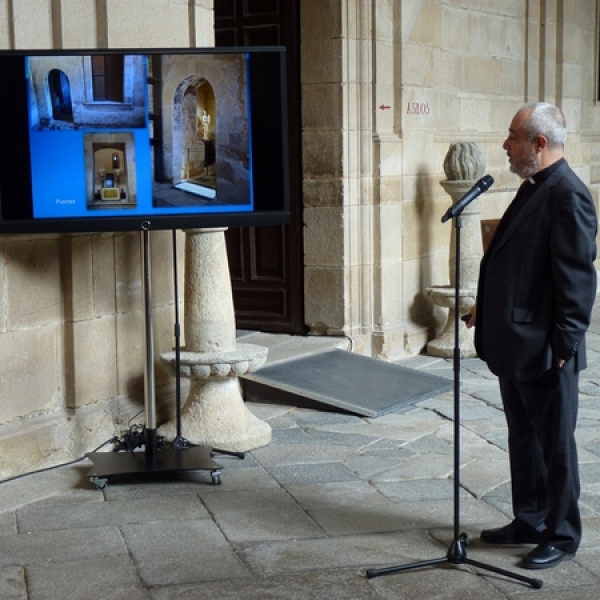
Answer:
(152, 463)
(457, 555)
(167, 461)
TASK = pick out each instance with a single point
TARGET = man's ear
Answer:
(541, 143)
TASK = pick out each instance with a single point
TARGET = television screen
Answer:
(117, 140)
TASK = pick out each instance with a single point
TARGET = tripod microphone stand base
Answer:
(457, 555)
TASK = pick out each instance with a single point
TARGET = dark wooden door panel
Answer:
(266, 262)
(258, 276)
(268, 265)
(241, 23)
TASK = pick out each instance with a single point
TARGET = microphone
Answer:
(481, 186)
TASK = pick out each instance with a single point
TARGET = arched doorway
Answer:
(60, 96)
(194, 153)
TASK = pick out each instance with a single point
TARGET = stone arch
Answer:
(194, 127)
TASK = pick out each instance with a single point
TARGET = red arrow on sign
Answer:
(384, 107)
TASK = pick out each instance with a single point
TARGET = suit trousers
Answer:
(541, 420)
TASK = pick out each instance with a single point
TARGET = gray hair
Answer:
(547, 120)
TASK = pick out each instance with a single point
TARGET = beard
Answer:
(525, 164)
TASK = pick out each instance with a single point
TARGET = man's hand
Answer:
(473, 318)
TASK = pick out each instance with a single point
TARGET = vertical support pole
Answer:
(149, 382)
(456, 365)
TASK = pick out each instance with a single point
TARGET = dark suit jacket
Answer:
(537, 282)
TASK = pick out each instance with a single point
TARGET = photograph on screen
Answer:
(205, 124)
(109, 170)
(85, 92)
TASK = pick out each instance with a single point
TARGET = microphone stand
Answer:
(457, 553)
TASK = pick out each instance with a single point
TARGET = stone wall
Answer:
(71, 326)
(387, 87)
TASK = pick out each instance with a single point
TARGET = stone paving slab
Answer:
(60, 483)
(421, 466)
(109, 578)
(447, 582)
(177, 552)
(12, 583)
(337, 495)
(375, 459)
(357, 552)
(485, 474)
(232, 501)
(401, 431)
(118, 512)
(8, 523)
(246, 526)
(591, 533)
(568, 574)
(437, 513)
(60, 546)
(308, 473)
(292, 454)
(311, 585)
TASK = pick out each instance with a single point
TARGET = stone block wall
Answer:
(72, 338)
(71, 321)
(406, 79)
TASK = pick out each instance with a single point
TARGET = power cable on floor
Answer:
(71, 462)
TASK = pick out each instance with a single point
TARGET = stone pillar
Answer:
(214, 413)
(464, 165)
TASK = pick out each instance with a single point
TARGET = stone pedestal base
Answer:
(214, 413)
(443, 344)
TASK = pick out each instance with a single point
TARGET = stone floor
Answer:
(331, 496)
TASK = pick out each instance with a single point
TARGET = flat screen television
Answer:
(124, 140)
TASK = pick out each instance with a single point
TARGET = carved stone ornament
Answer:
(464, 161)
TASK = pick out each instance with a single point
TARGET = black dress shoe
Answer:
(510, 534)
(545, 556)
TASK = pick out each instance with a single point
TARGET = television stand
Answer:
(157, 458)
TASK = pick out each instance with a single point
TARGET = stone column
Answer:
(214, 413)
(464, 165)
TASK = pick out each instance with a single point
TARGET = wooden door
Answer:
(266, 262)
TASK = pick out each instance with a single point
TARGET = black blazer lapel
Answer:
(531, 206)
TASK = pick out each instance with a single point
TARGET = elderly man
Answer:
(537, 286)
